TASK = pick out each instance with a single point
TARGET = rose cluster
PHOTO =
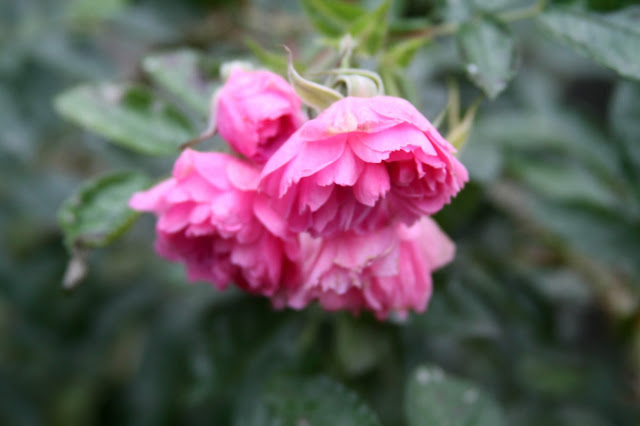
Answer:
(334, 209)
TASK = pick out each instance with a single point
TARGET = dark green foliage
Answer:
(611, 42)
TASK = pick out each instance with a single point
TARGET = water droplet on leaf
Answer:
(470, 396)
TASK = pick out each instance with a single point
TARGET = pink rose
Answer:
(211, 219)
(385, 271)
(256, 111)
(360, 164)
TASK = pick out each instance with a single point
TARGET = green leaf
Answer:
(549, 375)
(609, 42)
(272, 60)
(316, 401)
(98, 213)
(360, 345)
(489, 53)
(275, 62)
(402, 53)
(396, 83)
(607, 236)
(464, 10)
(81, 11)
(332, 17)
(370, 30)
(434, 399)
(558, 131)
(129, 116)
(625, 123)
(627, 17)
(564, 180)
(181, 74)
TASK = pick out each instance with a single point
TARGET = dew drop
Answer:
(112, 93)
(470, 396)
(424, 376)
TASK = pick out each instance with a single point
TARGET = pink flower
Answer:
(360, 164)
(385, 271)
(211, 219)
(256, 111)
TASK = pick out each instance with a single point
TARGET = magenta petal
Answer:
(344, 171)
(251, 108)
(402, 135)
(242, 175)
(175, 218)
(313, 196)
(152, 200)
(372, 184)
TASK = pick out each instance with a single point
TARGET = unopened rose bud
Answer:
(256, 111)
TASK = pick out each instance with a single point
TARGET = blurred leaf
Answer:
(370, 30)
(360, 346)
(460, 310)
(563, 180)
(88, 11)
(628, 17)
(605, 235)
(483, 159)
(98, 213)
(17, 134)
(489, 53)
(552, 376)
(463, 10)
(434, 399)
(270, 352)
(181, 74)
(602, 235)
(625, 123)
(275, 62)
(332, 17)
(402, 53)
(606, 5)
(15, 407)
(316, 401)
(605, 41)
(396, 83)
(129, 116)
(553, 131)
(66, 54)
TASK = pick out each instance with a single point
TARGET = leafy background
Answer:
(535, 323)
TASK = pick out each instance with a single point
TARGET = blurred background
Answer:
(539, 309)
